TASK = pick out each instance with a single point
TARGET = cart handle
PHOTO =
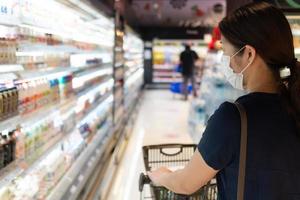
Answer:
(144, 179)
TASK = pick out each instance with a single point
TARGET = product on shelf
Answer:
(8, 102)
(295, 26)
(134, 73)
(20, 143)
(42, 57)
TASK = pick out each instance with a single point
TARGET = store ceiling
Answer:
(175, 13)
(178, 19)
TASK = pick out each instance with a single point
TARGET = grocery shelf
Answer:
(68, 85)
(63, 80)
(16, 171)
(166, 74)
(129, 74)
(134, 77)
(90, 93)
(6, 68)
(74, 180)
(80, 79)
(102, 189)
(164, 66)
(166, 80)
(34, 116)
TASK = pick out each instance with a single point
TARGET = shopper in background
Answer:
(259, 58)
(187, 61)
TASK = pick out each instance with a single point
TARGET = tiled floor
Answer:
(162, 119)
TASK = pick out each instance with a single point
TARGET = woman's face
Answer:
(237, 62)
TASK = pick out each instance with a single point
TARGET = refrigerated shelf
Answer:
(19, 171)
(45, 44)
(75, 178)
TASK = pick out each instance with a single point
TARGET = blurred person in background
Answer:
(187, 61)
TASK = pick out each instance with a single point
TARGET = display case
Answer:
(56, 98)
(119, 72)
(134, 69)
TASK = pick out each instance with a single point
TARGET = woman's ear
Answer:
(250, 53)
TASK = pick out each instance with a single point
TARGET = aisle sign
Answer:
(9, 12)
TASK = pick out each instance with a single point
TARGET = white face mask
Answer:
(235, 79)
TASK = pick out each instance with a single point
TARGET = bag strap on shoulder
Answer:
(243, 151)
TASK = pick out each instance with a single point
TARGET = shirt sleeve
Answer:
(220, 141)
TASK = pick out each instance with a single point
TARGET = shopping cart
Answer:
(173, 156)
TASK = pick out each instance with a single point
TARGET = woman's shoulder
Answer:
(227, 110)
(225, 121)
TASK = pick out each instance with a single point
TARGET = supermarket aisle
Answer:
(161, 119)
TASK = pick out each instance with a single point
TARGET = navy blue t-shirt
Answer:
(273, 151)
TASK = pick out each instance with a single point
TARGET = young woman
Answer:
(259, 58)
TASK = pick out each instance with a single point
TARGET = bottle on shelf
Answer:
(21, 97)
(20, 143)
(11, 102)
(54, 88)
(15, 100)
(6, 97)
(1, 105)
(12, 144)
(7, 149)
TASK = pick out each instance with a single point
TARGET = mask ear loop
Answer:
(238, 51)
(247, 64)
(245, 68)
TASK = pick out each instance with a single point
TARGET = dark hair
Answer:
(265, 27)
(187, 46)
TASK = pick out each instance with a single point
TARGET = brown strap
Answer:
(243, 152)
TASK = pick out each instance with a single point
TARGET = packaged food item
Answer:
(20, 143)
(5, 96)
(15, 100)
(9, 102)
(1, 105)
(29, 142)
(12, 144)
(22, 91)
(7, 149)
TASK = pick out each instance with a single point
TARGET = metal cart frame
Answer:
(172, 155)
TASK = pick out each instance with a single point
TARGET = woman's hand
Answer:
(157, 176)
